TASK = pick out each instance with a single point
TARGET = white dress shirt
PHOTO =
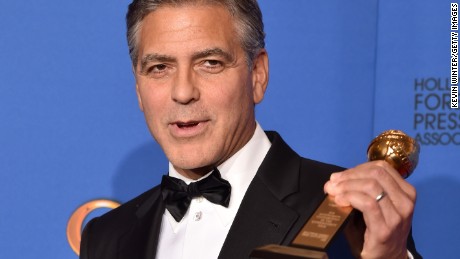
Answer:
(202, 231)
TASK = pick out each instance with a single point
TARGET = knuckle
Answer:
(398, 219)
(371, 186)
(407, 210)
(370, 204)
(381, 163)
(411, 192)
(378, 172)
(385, 234)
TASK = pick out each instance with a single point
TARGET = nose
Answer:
(184, 90)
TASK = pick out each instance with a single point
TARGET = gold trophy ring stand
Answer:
(393, 146)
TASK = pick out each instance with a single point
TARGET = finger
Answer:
(369, 186)
(392, 214)
(403, 184)
(382, 172)
(370, 208)
(369, 190)
(395, 200)
(399, 191)
(394, 174)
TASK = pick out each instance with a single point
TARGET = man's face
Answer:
(194, 85)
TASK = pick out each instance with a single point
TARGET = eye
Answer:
(156, 70)
(212, 65)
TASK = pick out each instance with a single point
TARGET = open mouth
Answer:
(188, 129)
(187, 124)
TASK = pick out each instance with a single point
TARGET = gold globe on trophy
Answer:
(397, 148)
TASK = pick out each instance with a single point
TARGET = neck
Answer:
(196, 173)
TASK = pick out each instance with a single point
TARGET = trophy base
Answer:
(285, 252)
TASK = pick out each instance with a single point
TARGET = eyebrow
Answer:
(213, 52)
(155, 57)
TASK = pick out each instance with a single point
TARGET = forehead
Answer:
(187, 26)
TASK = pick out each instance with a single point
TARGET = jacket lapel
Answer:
(142, 239)
(263, 218)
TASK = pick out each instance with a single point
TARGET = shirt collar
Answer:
(238, 170)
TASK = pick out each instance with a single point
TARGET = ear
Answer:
(139, 99)
(260, 76)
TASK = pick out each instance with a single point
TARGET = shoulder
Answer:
(318, 169)
(282, 153)
(132, 207)
(122, 228)
(122, 218)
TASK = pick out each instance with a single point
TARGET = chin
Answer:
(192, 163)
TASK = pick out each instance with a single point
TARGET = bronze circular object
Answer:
(397, 148)
(74, 226)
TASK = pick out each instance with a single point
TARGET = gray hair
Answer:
(247, 14)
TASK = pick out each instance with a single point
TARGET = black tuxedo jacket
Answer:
(284, 193)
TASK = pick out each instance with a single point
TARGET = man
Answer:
(200, 69)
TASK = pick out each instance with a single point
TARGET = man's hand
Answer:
(388, 220)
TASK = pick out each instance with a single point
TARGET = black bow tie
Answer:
(178, 195)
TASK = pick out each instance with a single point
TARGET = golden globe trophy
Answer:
(393, 146)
